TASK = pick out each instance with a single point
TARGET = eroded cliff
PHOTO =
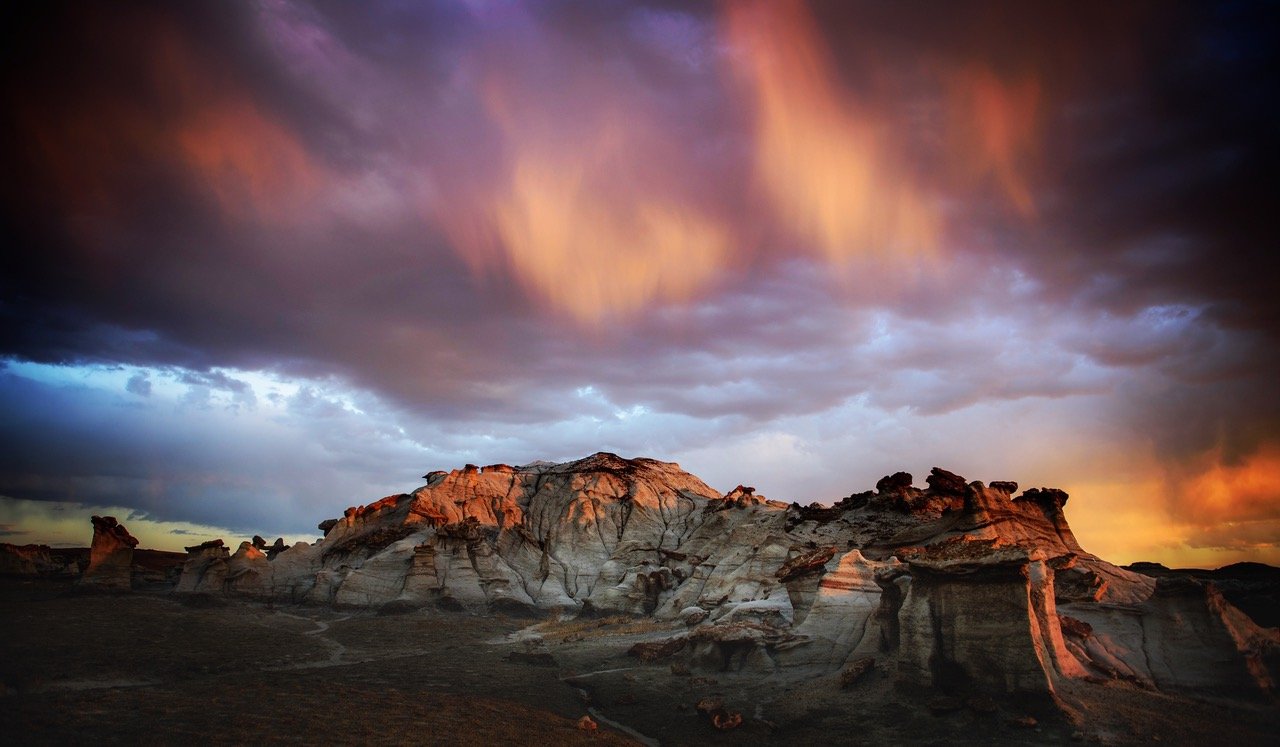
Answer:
(959, 586)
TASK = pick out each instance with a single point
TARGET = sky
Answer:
(268, 260)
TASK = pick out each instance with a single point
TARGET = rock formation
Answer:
(37, 560)
(110, 556)
(959, 587)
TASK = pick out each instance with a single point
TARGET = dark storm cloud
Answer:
(332, 192)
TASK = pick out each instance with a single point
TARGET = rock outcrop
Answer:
(205, 569)
(960, 588)
(110, 556)
(37, 560)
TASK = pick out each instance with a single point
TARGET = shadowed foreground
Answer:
(150, 669)
(129, 669)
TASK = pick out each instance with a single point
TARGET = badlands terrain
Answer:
(613, 600)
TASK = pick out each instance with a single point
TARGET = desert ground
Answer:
(147, 668)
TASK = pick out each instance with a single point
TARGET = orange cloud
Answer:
(995, 131)
(1243, 491)
(825, 162)
(595, 220)
(182, 114)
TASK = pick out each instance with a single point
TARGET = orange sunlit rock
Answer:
(824, 161)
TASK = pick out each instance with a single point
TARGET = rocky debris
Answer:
(110, 556)
(709, 705)
(813, 561)
(726, 720)
(533, 659)
(855, 672)
(588, 724)
(983, 705)
(712, 708)
(655, 650)
(1024, 722)
(944, 704)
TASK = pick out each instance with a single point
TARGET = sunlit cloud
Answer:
(994, 132)
(274, 259)
(591, 207)
(1235, 503)
(826, 162)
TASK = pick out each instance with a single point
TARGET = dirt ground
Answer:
(146, 669)
(150, 669)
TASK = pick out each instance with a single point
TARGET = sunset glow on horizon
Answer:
(278, 259)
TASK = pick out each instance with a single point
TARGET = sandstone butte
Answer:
(959, 586)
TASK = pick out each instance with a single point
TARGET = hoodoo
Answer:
(110, 556)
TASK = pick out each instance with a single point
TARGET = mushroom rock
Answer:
(205, 569)
(110, 556)
(894, 483)
(248, 571)
(1007, 487)
(945, 483)
(980, 615)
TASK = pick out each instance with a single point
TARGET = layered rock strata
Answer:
(959, 586)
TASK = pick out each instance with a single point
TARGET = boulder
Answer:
(655, 650)
(856, 672)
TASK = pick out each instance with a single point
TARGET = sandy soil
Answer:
(149, 669)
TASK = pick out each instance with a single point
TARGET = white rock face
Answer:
(959, 586)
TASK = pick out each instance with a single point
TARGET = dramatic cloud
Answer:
(271, 260)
